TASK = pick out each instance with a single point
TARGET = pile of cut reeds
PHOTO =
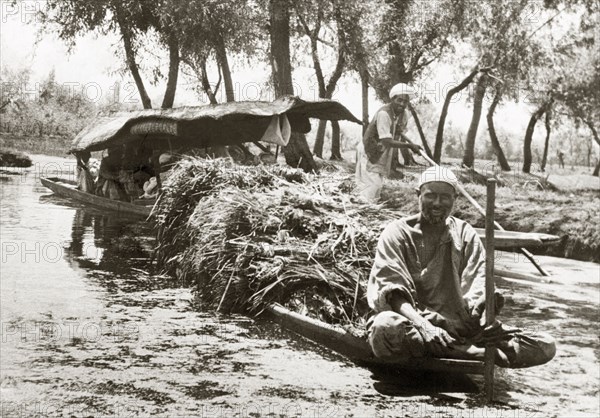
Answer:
(248, 236)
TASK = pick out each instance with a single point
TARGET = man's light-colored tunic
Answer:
(447, 287)
(369, 176)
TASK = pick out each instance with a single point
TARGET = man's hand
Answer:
(478, 310)
(436, 339)
(416, 148)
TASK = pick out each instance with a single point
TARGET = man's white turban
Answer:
(441, 174)
(401, 88)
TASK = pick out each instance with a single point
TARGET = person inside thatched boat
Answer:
(166, 162)
(108, 184)
(85, 180)
(143, 169)
(427, 283)
(136, 169)
(386, 132)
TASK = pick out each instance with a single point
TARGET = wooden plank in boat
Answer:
(509, 239)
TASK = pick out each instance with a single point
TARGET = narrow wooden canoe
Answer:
(357, 349)
(67, 188)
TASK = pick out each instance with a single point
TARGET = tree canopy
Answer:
(541, 54)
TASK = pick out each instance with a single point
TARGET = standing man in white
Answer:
(386, 131)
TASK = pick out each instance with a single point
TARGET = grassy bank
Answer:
(50, 145)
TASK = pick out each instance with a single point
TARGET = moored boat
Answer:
(67, 188)
(181, 130)
(357, 349)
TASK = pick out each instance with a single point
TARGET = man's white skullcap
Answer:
(441, 174)
(401, 88)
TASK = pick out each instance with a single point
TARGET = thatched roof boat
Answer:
(187, 128)
(205, 126)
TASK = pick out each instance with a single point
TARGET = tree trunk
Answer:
(169, 97)
(320, 139)
(130, 57)
(493, 137)
(594, 131)
(336, 153)
(547, 141)
(364, 81)
(329, 89)
(206, 83)
(297, 153)
(221, 53)
(588, 156)
(439, 137)
(217, 151)
(325, 91)
(597, 139)
(469, 155)
(415, 116)
(529, 136)
(280, 47)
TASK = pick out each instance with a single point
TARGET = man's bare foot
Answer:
(471, 352)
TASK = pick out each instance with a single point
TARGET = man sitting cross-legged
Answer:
(427, 288)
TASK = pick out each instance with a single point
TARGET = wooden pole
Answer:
(225, 292)
(365, 99)
(156, 166)
(490, 314)
(477, 206)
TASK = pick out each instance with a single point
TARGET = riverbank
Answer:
(47, 145)
(524, 203)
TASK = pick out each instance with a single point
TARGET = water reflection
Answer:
(107, 242)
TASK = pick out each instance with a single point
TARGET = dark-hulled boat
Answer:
(67, 188)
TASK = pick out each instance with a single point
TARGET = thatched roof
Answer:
(204, 126)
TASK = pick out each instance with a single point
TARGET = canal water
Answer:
(89, 330)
